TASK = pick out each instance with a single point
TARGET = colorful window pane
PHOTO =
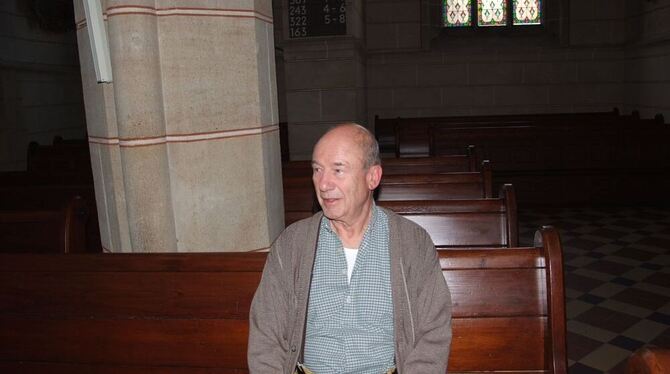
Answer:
(457, 13)
(491, 12)
(527, 12)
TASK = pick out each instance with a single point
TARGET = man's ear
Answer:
(374, 176)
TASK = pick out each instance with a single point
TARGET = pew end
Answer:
(649, 360)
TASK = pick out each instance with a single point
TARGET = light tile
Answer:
(645, 330)
(637, 274)
(573, 294)
(626, 308)
(573, 308)
(605, 357)
(623, 260)
(653, 288)
(589, 331)
(607, 290)
(594, 274)
(581, 261)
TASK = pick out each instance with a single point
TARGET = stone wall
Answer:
(40, 84)
(647, 60)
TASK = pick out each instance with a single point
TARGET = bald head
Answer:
(358, 135)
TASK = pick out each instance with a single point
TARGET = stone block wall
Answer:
(40, 84)
(647, 60)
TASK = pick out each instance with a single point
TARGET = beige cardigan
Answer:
(421, 299)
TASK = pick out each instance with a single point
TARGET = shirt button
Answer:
(344, 272)
(293, 348)
(348, 299)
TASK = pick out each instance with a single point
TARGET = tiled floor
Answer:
(617, 279)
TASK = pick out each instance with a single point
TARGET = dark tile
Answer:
(655, 242)
(621, 243)
(663, 339)
(643, 232)
(581, 283)
(626, 343)
(579, 368)
(623, 281)
(608, 233)
(641, 298)
(629, 223)
(567, 226)
(660, 318)
(584, 244)
(650, 266)
(607, 319)
(567, 256)
(620, 368)
(591, 299)
(579, 346)
(596, 254)
(608, 267)
(659, 279)
(570, 268)
(635, 254)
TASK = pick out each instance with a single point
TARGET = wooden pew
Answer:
(300, 199)
(395, 166)
(188, 313)
(45, 231)
(468, 185)
(465, 223)
(386, 129)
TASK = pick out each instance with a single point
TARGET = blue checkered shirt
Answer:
(350, 323)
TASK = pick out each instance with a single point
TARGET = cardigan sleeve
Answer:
(268, 318)
(432, 314)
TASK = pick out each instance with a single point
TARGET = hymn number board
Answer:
(308, 18)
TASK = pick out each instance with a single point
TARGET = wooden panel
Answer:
(513, 258)
(72, 368)
(462, 229)
(432, 191)
(500, 344)
(36, 231)
(134, 262)
(497, 292)
(128, 294)
(200, 343)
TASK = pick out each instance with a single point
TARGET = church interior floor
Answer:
(617, 280)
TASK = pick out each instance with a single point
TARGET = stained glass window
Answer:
(457, 13)
(527, 12)
(491, 12)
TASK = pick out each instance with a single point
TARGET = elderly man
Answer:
(355, 288)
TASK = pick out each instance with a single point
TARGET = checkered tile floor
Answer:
(617, 279)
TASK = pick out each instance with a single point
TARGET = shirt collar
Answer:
(325, 222)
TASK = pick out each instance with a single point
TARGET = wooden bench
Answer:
(464, 185)
(188, 313)
(52, 197)
(465, 223)
(45, 231)
(394, 166)
(300, 199)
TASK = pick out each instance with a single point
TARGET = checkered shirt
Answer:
(350, 324)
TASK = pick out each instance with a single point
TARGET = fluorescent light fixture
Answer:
(97, 34)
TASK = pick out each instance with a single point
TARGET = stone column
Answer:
(184, 142)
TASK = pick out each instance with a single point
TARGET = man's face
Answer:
(341, 182)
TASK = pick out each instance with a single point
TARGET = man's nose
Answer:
(323, 182)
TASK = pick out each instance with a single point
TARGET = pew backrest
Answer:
(465, 223)
(45, 231)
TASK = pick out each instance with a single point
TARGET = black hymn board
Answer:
(316, 18)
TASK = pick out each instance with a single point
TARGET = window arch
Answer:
(488, 13)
